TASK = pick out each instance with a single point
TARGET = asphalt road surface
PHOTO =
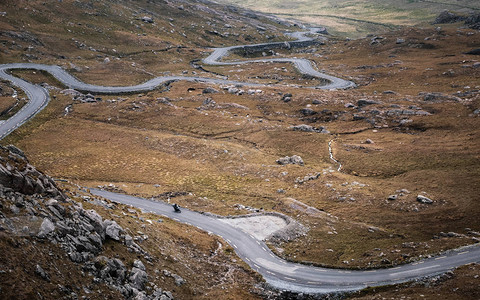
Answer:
(296, 277)
(39, 98)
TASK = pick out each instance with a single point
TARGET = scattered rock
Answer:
(208, 103)
(365, 102)
(438, 97)
(41, 272)
(287, 97)
(210, 90)
(307, 178)
(294, 160)
(349, 105)
(147, 19)
(474, 52)
(308, 128)
(178, 280)
(424, 200)
(307, 111)
(81, 233)
(369, 141)
(376, 40)
(392, 197)
(400, 41)
(235, 90)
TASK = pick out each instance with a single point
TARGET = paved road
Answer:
(38, 99)
(304, 66)
(39, 96)
(295, 277)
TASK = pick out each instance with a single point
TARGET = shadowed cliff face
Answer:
(17, 174)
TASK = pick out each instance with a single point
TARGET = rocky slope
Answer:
(35, 211)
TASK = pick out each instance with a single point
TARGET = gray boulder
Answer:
(139, 265)
(294, 160)
(287, 97)
(41, 272)
(474, 52)
(147, 19)
(308, 128)
(438, 97)
(424, 200)
(138, 278)
(96, 240)
(96, 221)
(112, 229)
(365, 102)
(178, 280)
(209, 90)
(76, 257)
(307, 111)
(46, 228)
(110, 270)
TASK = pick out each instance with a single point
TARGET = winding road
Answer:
(277, 272)
(284, 275)
(39, 97)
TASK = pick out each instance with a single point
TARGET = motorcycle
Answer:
(176, 208)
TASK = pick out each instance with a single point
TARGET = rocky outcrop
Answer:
(16, 173)
(308, 128)
(438, 97)
(446, 17)
(179, 281)
(365, 102)
(290, 160)
(37, 208)
(210, 90)
(473, 21)
(307, 111)
(307, 178)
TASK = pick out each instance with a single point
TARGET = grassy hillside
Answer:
(356, 18)
(101, 36)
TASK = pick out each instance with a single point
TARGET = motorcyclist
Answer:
(176, 207)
